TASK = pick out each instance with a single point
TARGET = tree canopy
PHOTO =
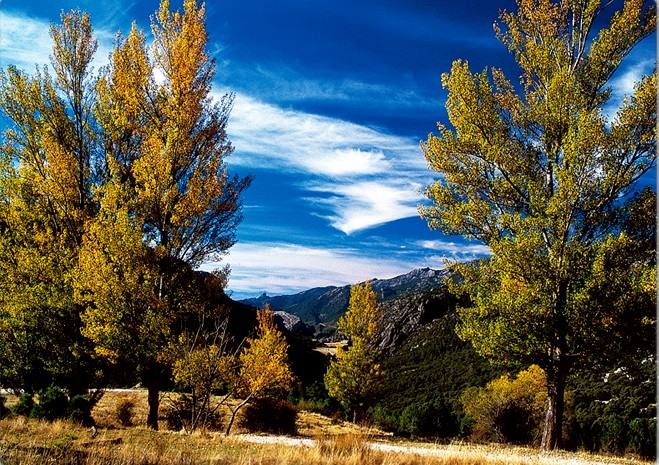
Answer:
(352, 375)
(538, 172)
(113, 190)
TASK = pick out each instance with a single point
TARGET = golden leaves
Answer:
(264, 363)
(352, 374)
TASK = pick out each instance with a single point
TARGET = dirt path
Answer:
(508, 454)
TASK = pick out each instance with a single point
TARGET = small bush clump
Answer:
(24, 405)
(384, 418)
(124, 412)
(53, 403)
(270, 416)
(422, 419)
(80, 410)
(642, 436)
(509, 410)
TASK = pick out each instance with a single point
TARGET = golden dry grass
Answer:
(308, 423)
(32, 442)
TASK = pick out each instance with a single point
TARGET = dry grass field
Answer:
(33, 442)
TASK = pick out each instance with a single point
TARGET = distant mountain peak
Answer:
(327, 304)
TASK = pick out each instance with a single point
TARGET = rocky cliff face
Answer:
(408, 314)
(292, 323)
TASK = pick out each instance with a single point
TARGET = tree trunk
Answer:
(234, 412)
(154, 400)
(553, 431)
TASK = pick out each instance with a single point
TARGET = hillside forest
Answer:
(115, 189)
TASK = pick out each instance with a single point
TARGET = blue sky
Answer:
(332, 99)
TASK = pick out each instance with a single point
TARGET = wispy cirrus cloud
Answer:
(25, 42)
(353, 206)
(312, 144)
(285, 84)
(356, 177)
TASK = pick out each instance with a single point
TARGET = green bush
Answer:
(465, 426)
(384, 418)
(614, 409)
(313, 398)
(416, 420)
(24, 405)
(80, 410)
(642, 436)
(270, 416)
(614, 434)
(53, 403)
(433, 419)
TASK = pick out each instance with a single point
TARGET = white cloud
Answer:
(622, 84)
(266, 134)
(363, 204)
(286, 268)
(25, 42)
(340, 158)
(468, 249)
(285, 83)
(350, 161)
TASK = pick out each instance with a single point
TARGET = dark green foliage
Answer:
(424, 378)
(80, 409)
(465, 426)
(437, 420)
(615, 411)
(3, 408)
(53, 403)
(642, 436)
(24, 405)
(384, 418)
(433, 363)
(417, 420)
(313, 398)
(270, 416)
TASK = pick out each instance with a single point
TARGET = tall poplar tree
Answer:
(352, 374)
(538, 173)
(168, 203)
(46, 175)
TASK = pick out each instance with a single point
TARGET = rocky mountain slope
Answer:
(324, 305)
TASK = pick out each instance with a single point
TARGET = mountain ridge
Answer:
(324, 305)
